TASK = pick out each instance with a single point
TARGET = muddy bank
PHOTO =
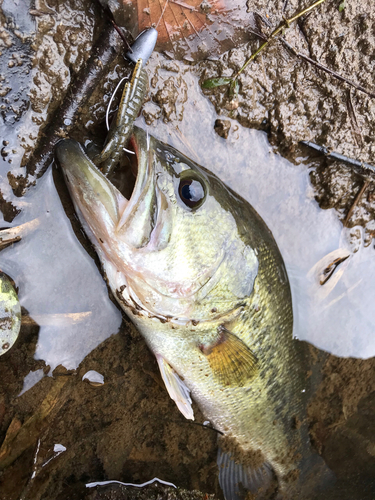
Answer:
(126, 429)
(292, 99)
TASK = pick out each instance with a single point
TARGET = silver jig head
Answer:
(143, 46)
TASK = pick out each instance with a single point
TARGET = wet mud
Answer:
(128, 429)
(119, 492)
(351, 195)
(291, 98)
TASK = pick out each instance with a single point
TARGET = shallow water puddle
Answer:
(59, 284)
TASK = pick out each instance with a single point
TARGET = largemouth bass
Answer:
(199, 273)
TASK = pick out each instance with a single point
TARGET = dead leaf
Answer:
(191, 29)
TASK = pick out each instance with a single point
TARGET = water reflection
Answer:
(59, 284)
(341, 322)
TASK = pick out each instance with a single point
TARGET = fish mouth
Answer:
(124, 176)
(110, 213)
(138, 219)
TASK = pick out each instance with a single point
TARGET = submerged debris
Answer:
(10, 314)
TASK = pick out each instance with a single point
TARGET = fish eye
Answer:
(191, 190)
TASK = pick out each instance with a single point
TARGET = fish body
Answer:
(199, 273)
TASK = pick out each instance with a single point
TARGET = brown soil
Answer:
(291, 98)
(341, 416)
(127, 429)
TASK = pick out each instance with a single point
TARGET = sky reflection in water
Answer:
(56, 276)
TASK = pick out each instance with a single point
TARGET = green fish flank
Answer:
(10, 314)
(199, 273)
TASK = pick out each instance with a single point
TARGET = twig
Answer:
(274, 34)
(353, 120)
(121, 34)
(327, 70)
(4, 244)
(107, 12)
(257, 33)
(362, 166)
(355, 202)
(184, 5)
(134, 485)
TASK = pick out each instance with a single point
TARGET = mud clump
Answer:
(169, 93)
(338, 186)
(8, 210)
(222, 128)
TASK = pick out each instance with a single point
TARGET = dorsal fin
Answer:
(230, 359)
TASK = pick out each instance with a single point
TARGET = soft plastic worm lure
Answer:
(131, 102)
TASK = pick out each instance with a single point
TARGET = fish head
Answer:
(178, 244)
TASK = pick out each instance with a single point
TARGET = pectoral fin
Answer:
(176, 388)
(230, 359)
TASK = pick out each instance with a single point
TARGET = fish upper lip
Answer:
(138, 139)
